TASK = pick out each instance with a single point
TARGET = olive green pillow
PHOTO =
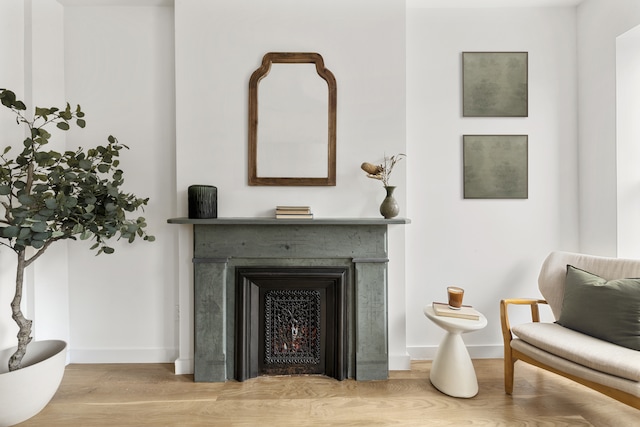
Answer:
(605, 309)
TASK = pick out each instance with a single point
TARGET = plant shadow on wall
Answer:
(389, 207)
(47, 196)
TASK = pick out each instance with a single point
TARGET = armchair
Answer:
(573, 352)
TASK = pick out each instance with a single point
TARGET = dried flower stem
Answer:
(383, 171)
(387, 167)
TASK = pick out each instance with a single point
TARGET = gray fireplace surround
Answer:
(223, 245)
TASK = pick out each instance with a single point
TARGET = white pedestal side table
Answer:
(452, 371)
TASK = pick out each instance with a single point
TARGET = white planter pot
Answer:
(25, 392)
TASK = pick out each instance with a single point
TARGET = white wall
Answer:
(492, 248)
(628, 149)
(219, 44)
(599, 23)
(119, 67)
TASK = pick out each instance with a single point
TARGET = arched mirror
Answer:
(292, 130)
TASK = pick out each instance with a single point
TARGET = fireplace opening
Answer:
(291, 321)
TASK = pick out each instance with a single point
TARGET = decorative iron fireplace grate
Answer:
(292, 324)
(291, 321)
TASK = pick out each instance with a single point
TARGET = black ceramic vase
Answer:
(203, 201)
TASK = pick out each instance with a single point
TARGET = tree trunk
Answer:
(24, 333)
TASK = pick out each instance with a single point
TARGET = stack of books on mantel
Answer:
(293, 212)
(464, 312)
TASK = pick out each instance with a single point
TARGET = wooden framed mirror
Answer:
(292, 130)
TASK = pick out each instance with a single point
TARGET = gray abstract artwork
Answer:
(495, 84)
(495, 166)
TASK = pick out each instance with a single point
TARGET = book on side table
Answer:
(465, 312)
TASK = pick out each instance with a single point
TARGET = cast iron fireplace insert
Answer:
(291, 321)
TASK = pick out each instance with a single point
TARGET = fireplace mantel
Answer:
(273, 221)
(222, 245)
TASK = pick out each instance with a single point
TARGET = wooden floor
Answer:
(151, 395)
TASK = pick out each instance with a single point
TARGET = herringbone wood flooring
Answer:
(151, 395)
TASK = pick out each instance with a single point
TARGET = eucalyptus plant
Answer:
(47, 196)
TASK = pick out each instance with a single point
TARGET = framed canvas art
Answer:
(495, 166)
(495, 84)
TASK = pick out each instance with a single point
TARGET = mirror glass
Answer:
(292, 114)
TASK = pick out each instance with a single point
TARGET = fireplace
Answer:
(233, 258)
(291, 321)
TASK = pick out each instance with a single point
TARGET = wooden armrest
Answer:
(509, 357)
(504, 314)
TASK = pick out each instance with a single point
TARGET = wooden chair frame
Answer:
(511, 356)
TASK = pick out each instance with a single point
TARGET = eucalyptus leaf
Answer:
(85, 164)
(37, 244)
(44, 112)
(18, 215)
(24, 232)
(40, 188)
(41, 236)
(39, 227)
(10, 231)
(41, 156)
(71, 202)
(51, 203)
(25, 199)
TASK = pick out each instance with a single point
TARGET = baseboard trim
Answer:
(399, 362)
(183, 366)
(109, 355)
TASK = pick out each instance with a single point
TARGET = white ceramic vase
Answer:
(25, 392)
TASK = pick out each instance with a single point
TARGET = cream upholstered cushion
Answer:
(564, 365)
(554, 267)
(583, 349)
